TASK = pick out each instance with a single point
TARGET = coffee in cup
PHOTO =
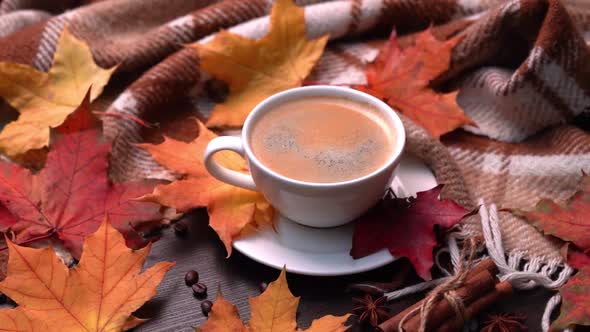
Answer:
(322, 139)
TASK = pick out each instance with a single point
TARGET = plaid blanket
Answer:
(522, 71)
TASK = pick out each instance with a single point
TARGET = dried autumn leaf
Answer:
(224, 316)
(275, 308)
(574, 257)
(230, 208)
(328, 323)
(255, 69)
(402, 78)
(99, 294)
(3, 260)
(71, 195)
(406, 227)
(569, 221)
(575, 302)
(45, 99)
(272, 311)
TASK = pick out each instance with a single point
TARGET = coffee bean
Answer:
(206, 307)
(262, 287)
(199, 290)
(191, 277)
(180, 229)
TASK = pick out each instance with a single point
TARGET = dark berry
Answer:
(191, 277)
(199, 290)
(180, 229)
(262, 287)
(206, 307)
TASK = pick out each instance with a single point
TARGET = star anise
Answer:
(369, 309)
(507, 322)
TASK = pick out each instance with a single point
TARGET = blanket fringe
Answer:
(520, 272)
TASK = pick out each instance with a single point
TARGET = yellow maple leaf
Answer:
(99, 294)
(225, 318)
(275, 309)
(230, 208)
(257, 69)
(272, 311)
(45, 99)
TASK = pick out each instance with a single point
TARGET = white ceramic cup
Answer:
(309, 203)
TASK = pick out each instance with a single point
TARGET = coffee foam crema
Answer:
(322, 139)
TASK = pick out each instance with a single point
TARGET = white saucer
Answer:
(325, 251)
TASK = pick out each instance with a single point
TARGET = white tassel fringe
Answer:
(533, 273)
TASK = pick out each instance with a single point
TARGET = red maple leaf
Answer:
(72, 194)
(405, 226)
(401, 78)
(575, 258)
(569, 221)
(575, 302)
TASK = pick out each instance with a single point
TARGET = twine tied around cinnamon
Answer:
(446, 290)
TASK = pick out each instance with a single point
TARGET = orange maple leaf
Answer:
(402, 77)
(255, 69)
(230, 208)
(99, 294)
(272, 311)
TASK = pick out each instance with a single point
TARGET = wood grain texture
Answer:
(175, 308)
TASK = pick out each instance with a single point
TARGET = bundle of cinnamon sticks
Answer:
(480, 290)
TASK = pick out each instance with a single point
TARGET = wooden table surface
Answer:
(175, 308)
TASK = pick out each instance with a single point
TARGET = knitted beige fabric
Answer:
(522, 71)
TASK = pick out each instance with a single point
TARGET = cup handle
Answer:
(222, 173)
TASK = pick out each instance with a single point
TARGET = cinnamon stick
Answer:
(474, 287)
(469, 292)
(485, 265)
(501, 291)
(478, 286)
